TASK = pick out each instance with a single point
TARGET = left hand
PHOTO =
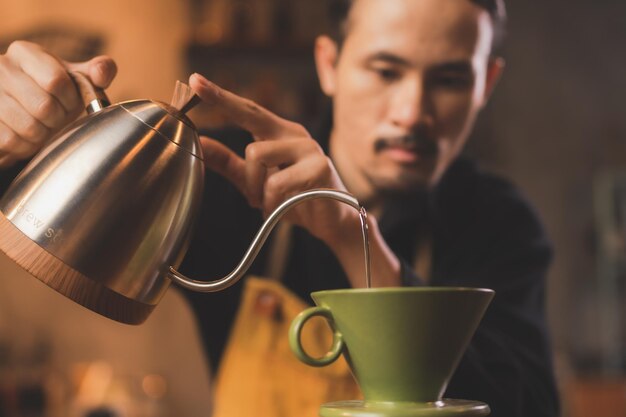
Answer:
(284, 160)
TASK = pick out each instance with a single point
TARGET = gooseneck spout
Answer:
(259, 239)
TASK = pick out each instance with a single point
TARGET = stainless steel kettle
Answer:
(104, 213)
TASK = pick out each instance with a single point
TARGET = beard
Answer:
(400, 184)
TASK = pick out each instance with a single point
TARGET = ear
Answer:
(326, 55)
(495, 67)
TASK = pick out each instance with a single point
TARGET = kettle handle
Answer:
(94, 97)
(259, 239)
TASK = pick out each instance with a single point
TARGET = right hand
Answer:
(38, 97)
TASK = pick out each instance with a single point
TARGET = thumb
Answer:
(101, 70)
(221, 159)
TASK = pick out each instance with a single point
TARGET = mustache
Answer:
(415, 141)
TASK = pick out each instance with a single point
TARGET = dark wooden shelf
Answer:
(198, 52)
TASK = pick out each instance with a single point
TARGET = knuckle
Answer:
(55, 81)
(45, 108)
(33, 130)
(322, 163)
(18, 46)
(317, 166)
(7, 142)
(328, 163)
(273, 184)
(323, 167)
(310, 147)
(251, 106)
(298, 129)
(313, 146)
(252, 151)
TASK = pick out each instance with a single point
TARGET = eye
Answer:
(388, 74)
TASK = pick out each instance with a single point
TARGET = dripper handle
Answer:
(295, 332)
(94, 97)
(259, 239)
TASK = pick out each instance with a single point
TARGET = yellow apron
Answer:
(260, 377)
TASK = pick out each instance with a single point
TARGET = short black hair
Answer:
(339, 10)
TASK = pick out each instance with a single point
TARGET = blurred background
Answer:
(556, 126)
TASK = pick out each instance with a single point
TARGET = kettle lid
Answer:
(167, 121)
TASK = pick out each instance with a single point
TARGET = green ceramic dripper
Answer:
(402, 345)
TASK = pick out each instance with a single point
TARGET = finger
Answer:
(282, 153)
(46, 71)
(221, 159)
(16, 118)
(272, 155)
(256, 172)
(13, 145)
(307, 174)
(245, 113)
(35, 100)
(101, 70)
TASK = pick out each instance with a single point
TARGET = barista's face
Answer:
(407, 85)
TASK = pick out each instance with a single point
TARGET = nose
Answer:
(410, 105)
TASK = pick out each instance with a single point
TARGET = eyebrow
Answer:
(387, 57)
(453, 66)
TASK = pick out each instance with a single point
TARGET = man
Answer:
(407, 79)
